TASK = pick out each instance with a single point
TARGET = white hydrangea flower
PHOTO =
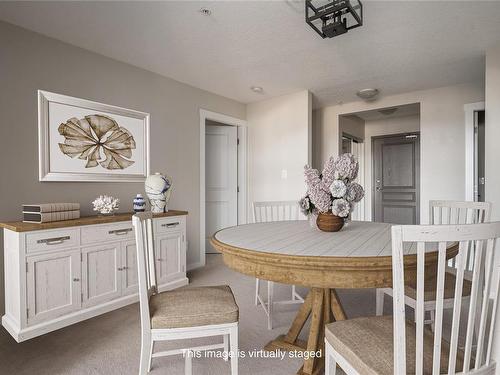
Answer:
(341, 207)
(338, 189)
(355, 192)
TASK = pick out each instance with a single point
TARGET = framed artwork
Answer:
(81, 140)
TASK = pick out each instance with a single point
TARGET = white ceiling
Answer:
(403, 45)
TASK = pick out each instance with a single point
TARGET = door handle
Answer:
(378, 188)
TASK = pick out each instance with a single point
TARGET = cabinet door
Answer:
(170, 257)
(129, 268)
(101, 273)
(53, 285)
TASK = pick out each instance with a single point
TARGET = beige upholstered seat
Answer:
(193, 307)
(430, 288)
(367, 344)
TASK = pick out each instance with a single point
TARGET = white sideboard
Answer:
(57, 274)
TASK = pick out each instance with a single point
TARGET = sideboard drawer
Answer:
(103, 233)
(170, 224)
(51, 240)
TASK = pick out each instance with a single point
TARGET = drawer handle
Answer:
(120, 232)
(54, 241)
(170, 225)
(76, 279)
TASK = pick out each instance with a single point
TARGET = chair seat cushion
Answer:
(431, 284)
(367, 344)
(193, 307)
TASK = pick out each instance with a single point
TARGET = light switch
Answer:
(284, 174)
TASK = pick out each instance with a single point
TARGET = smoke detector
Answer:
(205, 11)
(367, 94)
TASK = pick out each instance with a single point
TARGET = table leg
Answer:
(337, 308)
(323, 306)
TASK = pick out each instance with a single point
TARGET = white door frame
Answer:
(470, 110)
(242, 172)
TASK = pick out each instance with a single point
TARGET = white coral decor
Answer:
(338, 188)
(341, 207)
(106, 204)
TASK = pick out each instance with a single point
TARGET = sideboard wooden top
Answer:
(19, 226)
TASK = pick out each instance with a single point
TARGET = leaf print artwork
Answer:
(85, 138)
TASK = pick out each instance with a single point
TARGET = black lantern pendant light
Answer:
(330, 18)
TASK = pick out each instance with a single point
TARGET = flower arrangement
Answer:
(106, 204)
(334, 190)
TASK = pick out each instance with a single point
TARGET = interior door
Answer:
(396, 178)
(53, 285)
(221, 180)
(101, 273)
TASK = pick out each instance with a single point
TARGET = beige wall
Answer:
(278, 139)
(375, 128)
(29, 61)
(492, 157)
(442, 136)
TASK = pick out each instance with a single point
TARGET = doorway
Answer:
(221, 179)
(396, 178)
(474, 151)
(357, 132)
(211, 177)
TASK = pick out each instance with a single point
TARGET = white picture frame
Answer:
(56, 165)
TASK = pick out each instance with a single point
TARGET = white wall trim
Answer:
(470, 110)
(242, 172)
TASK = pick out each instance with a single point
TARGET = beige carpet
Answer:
(109, 344)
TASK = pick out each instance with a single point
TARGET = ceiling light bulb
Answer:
(257, 89)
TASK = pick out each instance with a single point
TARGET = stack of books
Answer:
(47, 212)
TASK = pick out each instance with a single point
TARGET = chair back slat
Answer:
(145, 263)
(276, 211)
(475, 301)
(463, 254)
(444, 212)
(398, 301)
(486, 301)
(440, 238)
(439, 307)
(420, 311)
(492, 325)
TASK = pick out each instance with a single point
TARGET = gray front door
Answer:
(396, 178)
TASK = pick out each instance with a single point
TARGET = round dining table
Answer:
(294, 252)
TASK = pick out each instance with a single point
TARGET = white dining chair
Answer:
(443, 212)
(275, 211)
(184, 313)
(387, 345)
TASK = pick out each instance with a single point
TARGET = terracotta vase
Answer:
(328, 222)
